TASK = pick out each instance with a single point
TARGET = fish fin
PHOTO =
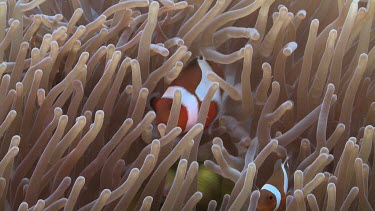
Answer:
(283, 202)
(277, 165)
(215, 67)
(211, 113)
(286, 161)
(153, 102)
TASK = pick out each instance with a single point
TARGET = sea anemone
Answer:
(78, 133)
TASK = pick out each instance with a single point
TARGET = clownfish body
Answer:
(273, 194)
(193, 85)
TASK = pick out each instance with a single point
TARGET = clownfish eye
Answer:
(270, 197)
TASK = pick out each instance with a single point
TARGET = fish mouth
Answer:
(263, 208)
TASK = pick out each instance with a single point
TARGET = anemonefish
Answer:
(193, 84)
(273, 194)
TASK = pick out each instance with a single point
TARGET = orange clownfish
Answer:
(273, 194)
(193, 84)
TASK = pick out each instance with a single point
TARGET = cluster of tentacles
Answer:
(77, 131)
